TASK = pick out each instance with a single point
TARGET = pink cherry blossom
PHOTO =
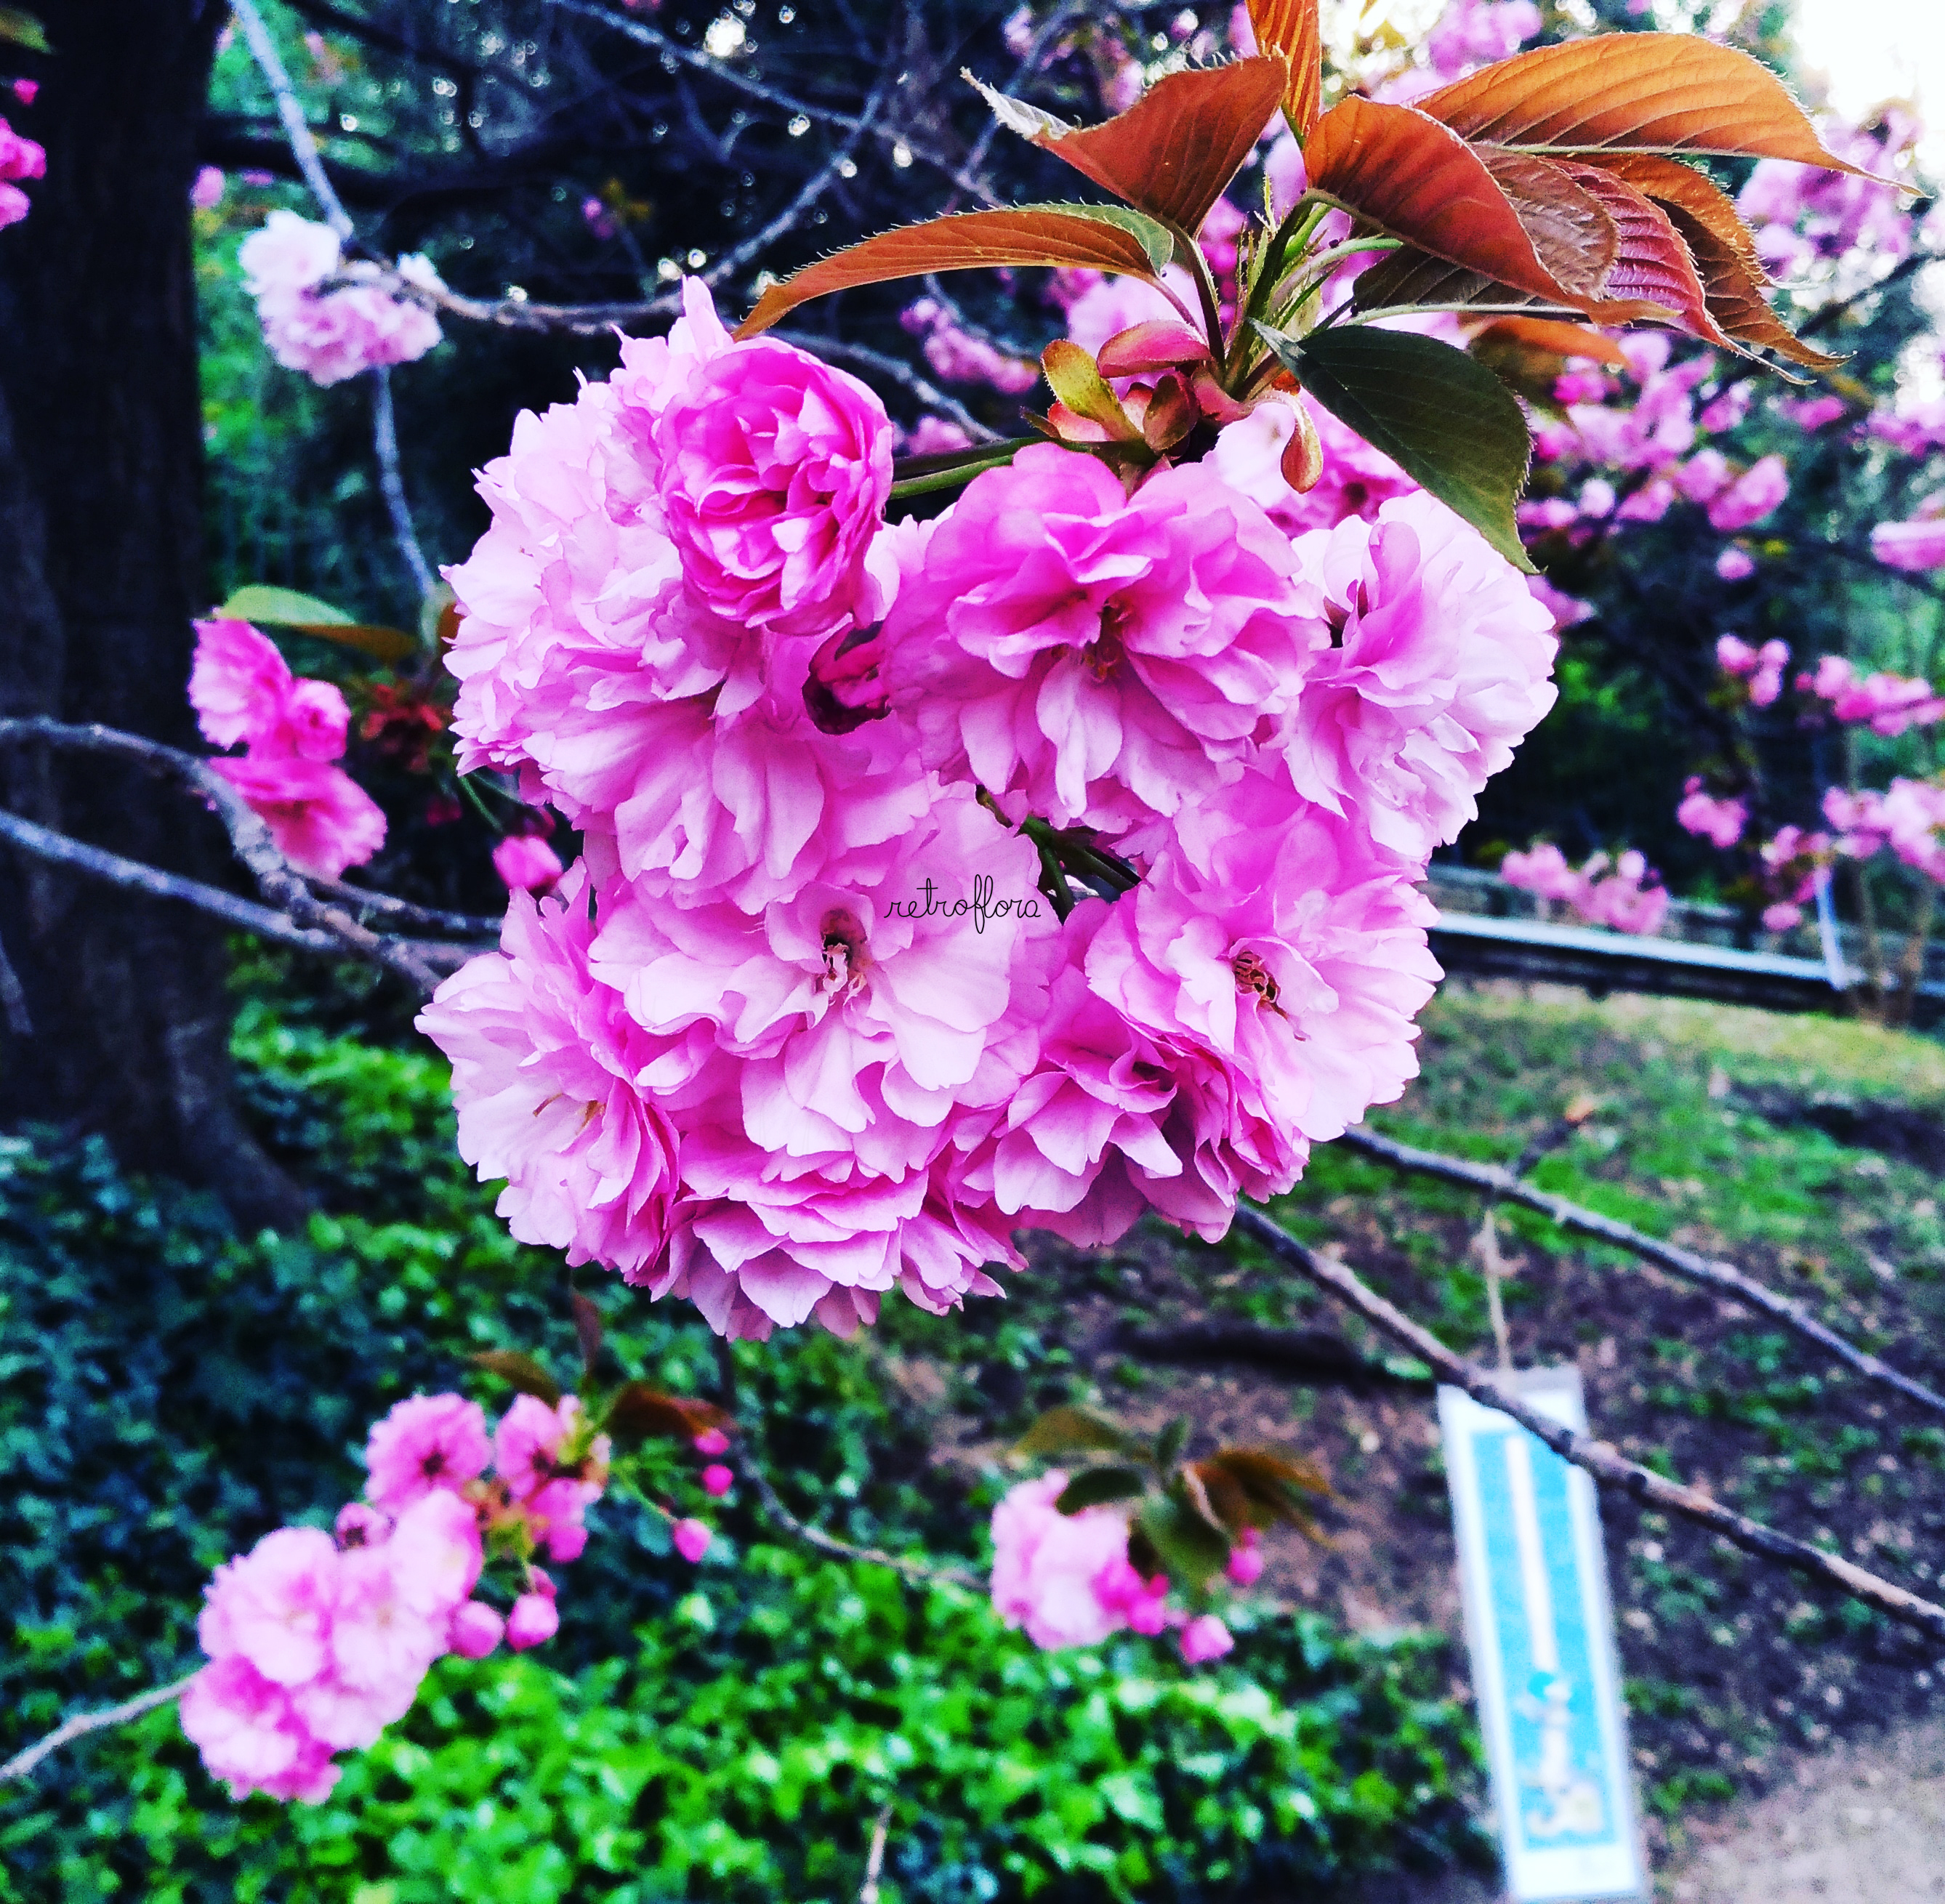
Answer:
(692, 1540)
(1542, 871)
(321, 819)
(273, 1606)
(548, 1079)
(1753, 494)
(711, 1441)
(936, 437)
(1914, 546)
(1205, 1638)
(529, 1435)
(1721, 821)
(717, 1480)
(1780, 916)
(1859, 818)
(206, 193)
(19, 158)
(426, 1442)
(1472, 33)
(1735, 564)
(960, 356)
(1913, 816)
(1442, 664)
(525, 863)
(1063, 1577)
(1089, 655)
(243, 1725)
(1357, 480)
(1889, 703)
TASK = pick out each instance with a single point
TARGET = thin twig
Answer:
(1600, 1458)
(392, 482)
(1725, 1278)
(874, 1859)
(290, 110)
(362, 899)
(60, 850)
(418, 963)
(14, 1000)
(915, 1571)
(22, 1763)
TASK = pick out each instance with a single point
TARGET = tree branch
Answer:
(21, 1763)
(419, 963)
(1725, 1278)
(1599, 1458)
(44, 843)
(290, 110)
(392, 484)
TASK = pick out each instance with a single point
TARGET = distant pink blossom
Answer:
(1813, 412)
(19, 158)
(535, 1618)
(26, 91)
(936, 436)
(1205, 1638)
(959, 356)
(476, 1630)
(692, 1540)
(333, 334)
(711, 1441)
(1542, 871)
(1735, 564)
(1622, 894)
(1720, 822)
(1472, 33)
(1917, 545)
(1753, 494)
(716, 1480)
(1781, 915)
(1762, 668)
(206, 193)
(1889, 703)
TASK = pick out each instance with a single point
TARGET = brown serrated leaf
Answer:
(1418, 181)
(1569, 227)
(1172, 152)
(520, 1372)
(1735, 296)
(1557, 339)
(639, 1413)
(1654, 266)
(1290, 27)
(1097, 237)
(1642, 92)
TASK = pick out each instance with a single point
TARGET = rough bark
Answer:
(100, 573)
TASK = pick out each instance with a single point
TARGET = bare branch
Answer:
(14, 1012)
(420, 964)
(874, 1859)
(392, 484)
(1600, 1458)
(290, 110)
(362, 899)
(21, 1763)
(44, 843)
(915, 1571)
(1725, 1278)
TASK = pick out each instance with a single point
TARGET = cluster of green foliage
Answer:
(169, 1391)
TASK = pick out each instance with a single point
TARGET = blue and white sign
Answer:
(1534, 1580)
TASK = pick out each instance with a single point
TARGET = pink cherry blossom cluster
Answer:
(316, 1643)
(1719, 821)
(1761, 668)
(1918, 543)
(960, 356)
(1887, 704)
(335, 334)
(1647, 436)
(1034, 866)
(1472, 33)
(1805, 218)
(1907, 817)
(19, 158)
(1068, 1580)
(292, 730)
(1623, 893)
(1793, 863)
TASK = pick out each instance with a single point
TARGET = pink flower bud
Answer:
(477, 1629)
(1246, 1559)
(527, 864)
(692, 1540)
(534, 1618)
(711, 1441)
(1205, 1638)
(717, 1480)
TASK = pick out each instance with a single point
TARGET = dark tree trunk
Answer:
(100, 573)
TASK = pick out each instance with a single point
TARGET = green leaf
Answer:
(1098, 1485)
(521, 1373)
(1192, 1551)
(1171, 1441)
(305, 614)
(1445, 419)
(23, 30)
(1069, 1430)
